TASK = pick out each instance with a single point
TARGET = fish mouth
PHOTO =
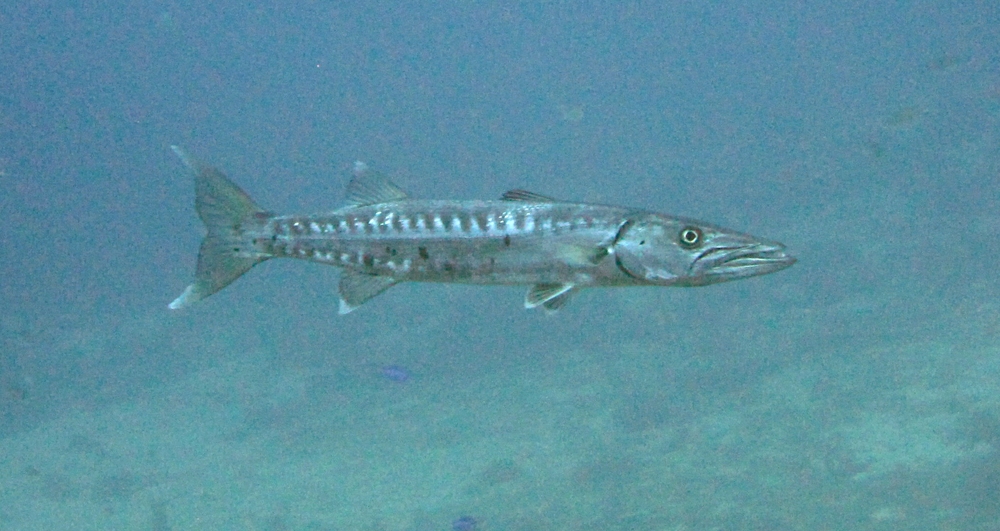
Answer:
(720, 264)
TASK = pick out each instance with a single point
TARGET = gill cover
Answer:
(647, 250)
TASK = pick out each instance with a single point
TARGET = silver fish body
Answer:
(382, 237)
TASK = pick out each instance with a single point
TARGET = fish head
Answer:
(668, 251)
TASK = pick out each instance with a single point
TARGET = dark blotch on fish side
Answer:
(465, 523)
(159, 520)
(499, 472)
(117, 487)
(86, 445)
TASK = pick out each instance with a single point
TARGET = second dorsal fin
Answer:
(526, 197)
(369, 187)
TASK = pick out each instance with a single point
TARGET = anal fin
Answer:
(356, 288)
(552, 305)
(550, 296)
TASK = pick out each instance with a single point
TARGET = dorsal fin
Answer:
(526, 197)
(370, 188)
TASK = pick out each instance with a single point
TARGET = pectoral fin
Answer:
(356, 288)
(603, 249)
(549, 296)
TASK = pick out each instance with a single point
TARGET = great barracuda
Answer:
(382, 238)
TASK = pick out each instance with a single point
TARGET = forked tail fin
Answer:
(226, 252)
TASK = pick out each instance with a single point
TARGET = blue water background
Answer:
(865, 137)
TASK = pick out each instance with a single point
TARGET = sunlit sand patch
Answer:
(571, 113)
(992, 92)
(165, 20)
(905, 117)
(873, 149)
(948, 61)
(888, 514)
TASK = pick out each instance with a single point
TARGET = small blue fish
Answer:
(395, 373)
(465, 523)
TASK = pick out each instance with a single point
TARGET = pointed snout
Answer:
(731, 262)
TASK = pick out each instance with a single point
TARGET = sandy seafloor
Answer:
(857, 390)
(902, 435)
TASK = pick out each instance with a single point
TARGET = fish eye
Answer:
(690, 236)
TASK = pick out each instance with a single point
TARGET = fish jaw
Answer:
(751, 259)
